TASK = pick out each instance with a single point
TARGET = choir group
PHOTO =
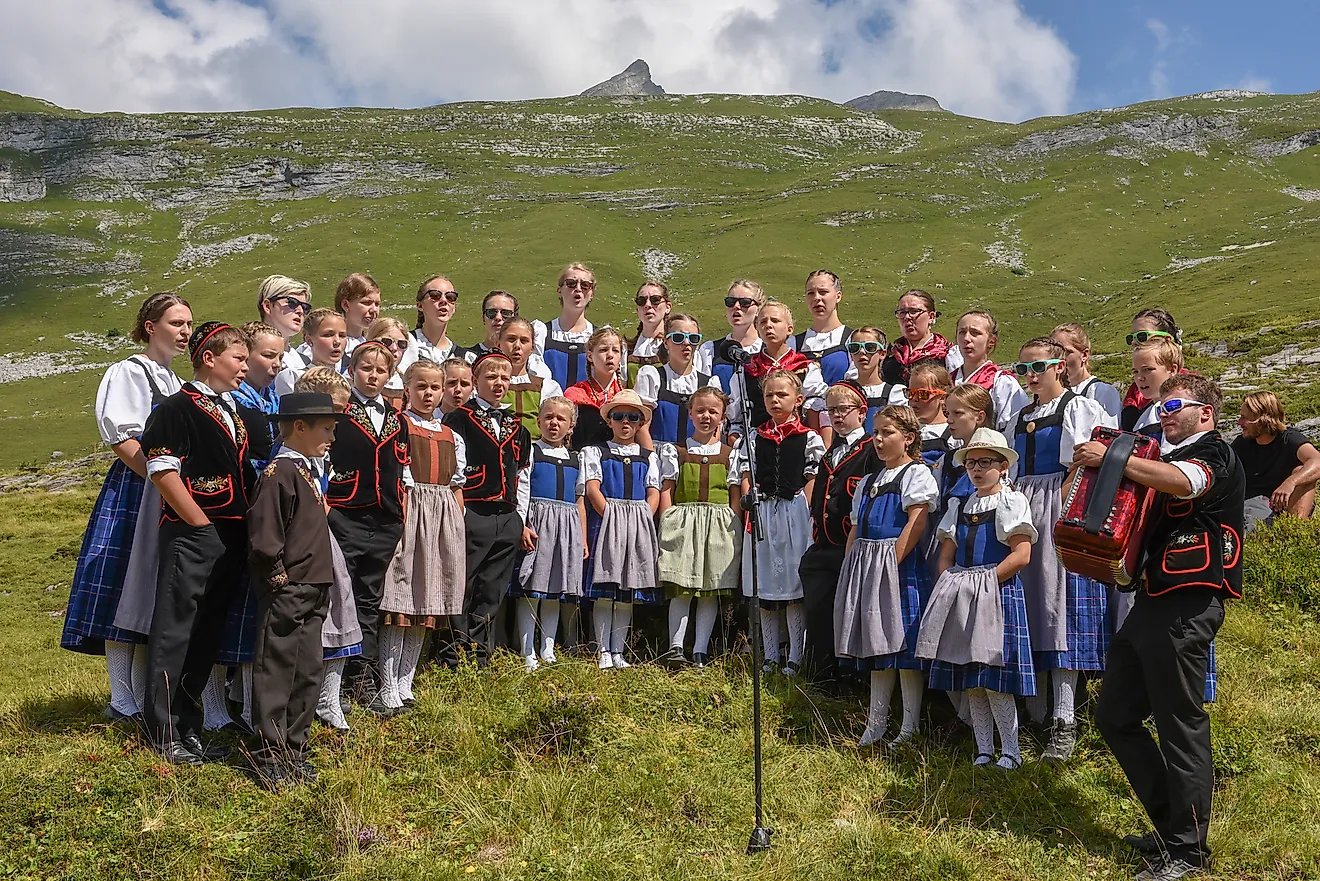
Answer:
(282, 532)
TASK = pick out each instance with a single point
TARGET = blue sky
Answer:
(998, 59)
(1130, 52)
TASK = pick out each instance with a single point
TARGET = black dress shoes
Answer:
(176, 752)
(203, 752)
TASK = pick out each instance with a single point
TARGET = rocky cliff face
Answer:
(634, 80)
(883, 100)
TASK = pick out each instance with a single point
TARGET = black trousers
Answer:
(198, 577)
(1156, 668)
(287, 668)
(493, 539)
(819, 571)
(368, 538)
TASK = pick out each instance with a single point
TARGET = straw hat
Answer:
(990, 441)
(626, 398)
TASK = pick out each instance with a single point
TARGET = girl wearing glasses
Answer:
(884, 581)
(563, 343)
(1076, 344)
(916, 321)
(653, 308)
(526, 390)
(1067, 613)
(283, 303)
(669, 386)
(1148, 325)
(978, 333)
(928, 386)
(357, 298)
(823, 342)
(623, 492)
(866, 347)
(437, 301)
(974, 629)
(742, 305)
(391, 334)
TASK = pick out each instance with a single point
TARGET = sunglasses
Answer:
(869, 347)
(921, 395)
(1142, 336)
(578, 284)
(1173, 405)
(393, 344)
(626, 416)
(909, 314)
(985, 463)
(437, 296)
(678, 338)
(744, 302)
(653, 299)
(293, 304)
(492, 314)
(1022, 368)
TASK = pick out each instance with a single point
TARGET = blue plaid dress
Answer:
(98, 577)
(1088, 628)
(979, 545)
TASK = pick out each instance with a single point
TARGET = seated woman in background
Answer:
(1281, 463)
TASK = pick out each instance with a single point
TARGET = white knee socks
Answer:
(877, 718)
(413, 640)
(679, 607)
(391, 654)
(983, 725)
(328, 708)
(525, 613)
(1006, 720)
(619, 631)
(1038, 704)
(1065, 690)
(602, 619)
(140, 676)
(215, 712)
(770, 635)
(796, 616)
(119, 665)
(549, 629)
(245, 687)
(708, 610)
(913, 684)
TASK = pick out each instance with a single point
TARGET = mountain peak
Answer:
(634, 80)
(883, 100)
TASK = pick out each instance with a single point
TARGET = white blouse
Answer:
(420, 347)
(814, 454)
(591, 469)
(525, 477)
(815, 341)
(540, 332)
(549, 388)
(647, 385)
(1081, 417)
(123, 400)
(918, 487)
(460, 449)
(1012, 514)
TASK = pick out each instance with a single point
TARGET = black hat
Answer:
(299, 404)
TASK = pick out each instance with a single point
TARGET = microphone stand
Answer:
(760, 838)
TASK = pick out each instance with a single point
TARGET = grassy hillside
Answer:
(571, 773)
(1204, 205)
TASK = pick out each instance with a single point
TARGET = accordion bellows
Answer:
(1105, 515)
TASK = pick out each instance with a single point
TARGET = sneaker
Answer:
(531, 664)
(548, 656)
(606, 661)
(1170, 869)
(276, 777)
(619, 662)
(1063, 741)
(378, 707)
(304, 772)
(790, 669)
(673, 659)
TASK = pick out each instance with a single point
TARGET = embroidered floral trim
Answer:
(279, 580)
(157, 452)
(209, 484)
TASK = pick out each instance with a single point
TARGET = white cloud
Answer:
(981, 57)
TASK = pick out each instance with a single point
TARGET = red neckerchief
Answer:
(782, 431)
(592, 393)
(792, 361)
(984, 376)
(935, 347)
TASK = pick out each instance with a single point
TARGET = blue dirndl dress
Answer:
(623, 478)
(979, 545)
(864, 588)
(553, 515)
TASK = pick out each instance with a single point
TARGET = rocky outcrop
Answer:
(633, 81)
(883, 100)
(20, 185)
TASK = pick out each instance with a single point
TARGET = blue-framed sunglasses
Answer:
(678, 338)
(1173, 405)
(870, 347)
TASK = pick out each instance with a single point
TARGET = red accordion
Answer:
(1105, 515)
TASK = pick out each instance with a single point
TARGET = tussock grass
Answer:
(572, 773)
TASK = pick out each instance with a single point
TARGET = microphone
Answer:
(727, 350)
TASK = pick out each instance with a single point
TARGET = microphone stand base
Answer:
(760, 840)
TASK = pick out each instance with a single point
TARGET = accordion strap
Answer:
(1108, 481)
